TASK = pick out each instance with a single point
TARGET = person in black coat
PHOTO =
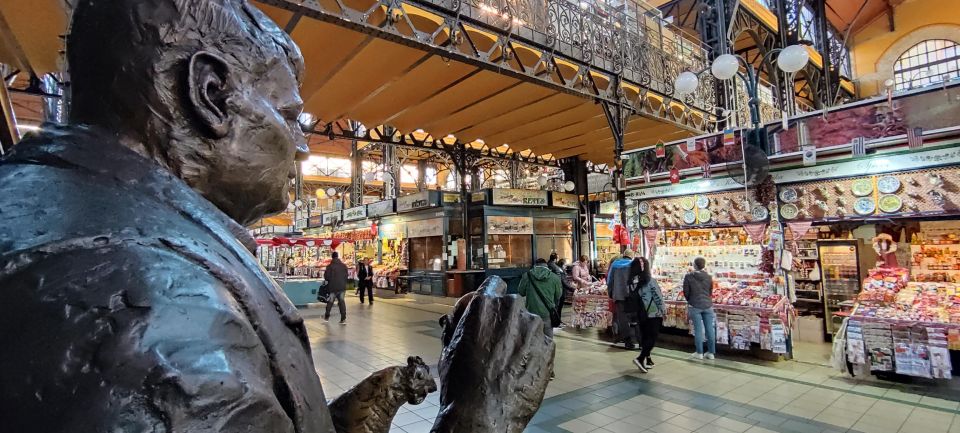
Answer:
(336, 278)
(365, 279)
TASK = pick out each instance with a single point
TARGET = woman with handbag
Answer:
(647, 301)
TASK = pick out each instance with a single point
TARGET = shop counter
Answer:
(461, 282)
(301, 291)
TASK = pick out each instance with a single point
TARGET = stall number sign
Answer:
(355, 213)
(519, 197)
(414, 201)
(568, 201)
(330, 218)
(380, 208)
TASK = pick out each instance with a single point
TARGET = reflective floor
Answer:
(597, 388)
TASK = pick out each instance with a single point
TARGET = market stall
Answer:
(390, 243)
(592, 307)
(505, 222)
(297, 264)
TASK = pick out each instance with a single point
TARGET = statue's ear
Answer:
(209, 89)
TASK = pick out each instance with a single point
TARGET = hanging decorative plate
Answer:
(789, 211)
(703, 202)
(759, 212)
(686, 203)
(890, 203)
(689, 217)
(705, 215)
(643, 207)
(888, 185)
(789, 195)
(864, 206)
(862, 187)
(644, 221)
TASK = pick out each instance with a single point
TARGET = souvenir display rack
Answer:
(592, 307)
(903, 326)
(704, 210)
(748, 308)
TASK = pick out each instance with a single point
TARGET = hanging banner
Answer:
(507, 225)
(798, 229)
(755, 231)
(567, 201)
(355, 213)
(809, 155)
(661, 150)
(331, 218)
(425, 228)
(519, 197)
(674, 175)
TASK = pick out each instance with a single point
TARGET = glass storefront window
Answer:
(509, 251)
(424, 252)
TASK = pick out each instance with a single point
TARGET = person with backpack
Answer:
(542, 290)
(646, 302)
(618, 283)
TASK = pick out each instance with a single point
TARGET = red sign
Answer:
(661, 150)
(674, 175)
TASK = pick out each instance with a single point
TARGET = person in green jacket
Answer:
(540, 279)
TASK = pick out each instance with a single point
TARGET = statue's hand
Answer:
(495, 365)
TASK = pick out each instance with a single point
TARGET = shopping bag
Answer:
(323, 293)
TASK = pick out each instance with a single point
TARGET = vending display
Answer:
(840, 273)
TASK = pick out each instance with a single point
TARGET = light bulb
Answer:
(793, 58)
(542, 180)
(331, 192)
(686, 83)
(725, 67)
(569, 185)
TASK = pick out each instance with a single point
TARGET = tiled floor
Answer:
(597, 388)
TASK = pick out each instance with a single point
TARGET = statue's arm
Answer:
(133, 338)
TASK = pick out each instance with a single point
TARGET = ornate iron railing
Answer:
(627, 38)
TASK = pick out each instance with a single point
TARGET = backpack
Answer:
(634, 301)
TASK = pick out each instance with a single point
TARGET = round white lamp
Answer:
(686, 83)
(793, 58)
(331, 192)
(569, 185)
(298, 203)
(542, 180)
(725, 66)
(888, 82)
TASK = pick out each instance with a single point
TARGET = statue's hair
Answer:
(127, 58)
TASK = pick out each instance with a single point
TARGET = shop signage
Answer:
(331, 218)
(315, 221)
(450, 197)
(478, 196)
(684, 188)
(507, 225)
(380, 208)
(355, 213)
(425, 228)
(874, 165)
(608, 208)
(420, 200)
(519, 197)
(568, 201)
(392, 231)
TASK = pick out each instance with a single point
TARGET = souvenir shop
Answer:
(733, 230)
(606, 247)
(297, 263)
(875, 260)
(391, 259)
(510, 228)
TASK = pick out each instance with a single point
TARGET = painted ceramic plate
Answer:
(789, 195)
(789, 211)
(759, 213)
(705, 215)
(689, 217)
(686, 203)
(864, 206)
(703, 202)
(888, 185)
(890, 203)
(643, 207)
(644, 221)
(862, 187)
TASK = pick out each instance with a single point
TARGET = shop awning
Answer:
(333, 243)
(30, 34)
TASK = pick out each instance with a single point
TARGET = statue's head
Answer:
(416, 381)
(207, 88)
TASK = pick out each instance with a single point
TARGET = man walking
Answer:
(336, 277)
(365, 280)
(542, 290)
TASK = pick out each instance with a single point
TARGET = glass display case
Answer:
(426, 253)
(840, 269)
(554, 235)
(509, 251)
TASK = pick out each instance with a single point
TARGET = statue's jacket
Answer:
(129, 303)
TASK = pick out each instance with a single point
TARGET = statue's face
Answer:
(257, 164)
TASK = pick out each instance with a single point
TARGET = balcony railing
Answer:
(624, 37)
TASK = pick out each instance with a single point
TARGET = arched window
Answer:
(929, 62)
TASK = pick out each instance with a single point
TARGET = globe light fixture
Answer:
(298, 203)
(793, 58)
(542, 180)
(569, 185)
(331, 192)
(725, 67)
(686, 83)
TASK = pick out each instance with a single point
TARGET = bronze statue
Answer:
(370, 406)
(130, 299)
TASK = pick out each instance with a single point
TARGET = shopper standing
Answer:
(698, 290)
(365, 280)
(336, 278)
(581, 272)
(650, 310)
(618, 287)
(554, 265)
(542, 290)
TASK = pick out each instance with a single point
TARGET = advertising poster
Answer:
(506, 225)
